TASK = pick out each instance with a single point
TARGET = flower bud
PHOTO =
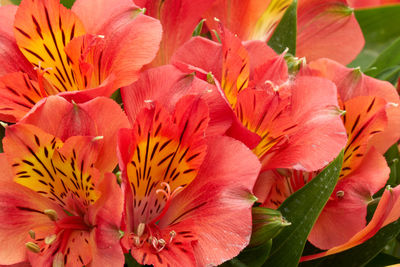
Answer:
(267, 223)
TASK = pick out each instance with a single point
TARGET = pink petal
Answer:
(179, 19)
(215, 208)
(98, 117)
(104, 16)
(107, 212)
(387, 212)
(167, 85)
(358, 188)
(323, 28)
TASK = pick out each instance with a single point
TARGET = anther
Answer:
(32, 234)
(32, 247)
(340, 194)
(172, 234)
(3, 124)
(162, 243)
(140, 229)
(50, 239)
(52, 214)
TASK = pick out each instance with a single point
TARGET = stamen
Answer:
(140, 229)
(172, 234)
(340, 194)
(32, 247)
(52, 214)
(32, 234)
(3, 124)
(162, 243)
(50, 239)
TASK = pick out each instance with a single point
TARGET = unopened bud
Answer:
(32, 247)
(267, 223)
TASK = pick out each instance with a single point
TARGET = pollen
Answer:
(52, 214)
(32, 247)
(50, 239)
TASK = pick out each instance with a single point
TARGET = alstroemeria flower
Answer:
(56, 208)
(188, 197)
(288, 121)
(371, 122)
(74, 58)
(322, 26)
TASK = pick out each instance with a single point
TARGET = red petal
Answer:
(344, 216)
(107, 213)
(21, 210)
(387, 212)
(323, 28)
(161, 148)
(132, 46)
(98, 117)
(352, 83)
(222, 191)
(104, 16)
(42, 30)
(18, 94)
(365, 116)
(257, 21)
(12, 59)
(179, 19)
(200, 53)
(167, 85)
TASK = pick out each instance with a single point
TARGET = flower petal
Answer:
(179, 19)
(98, 117)
(104, 16)
(107, 212)
(42, 30)
(21, 210)
(323, 26)
(345, 213)
(160, 149)
(387, 212)
(18, 94)
(205, 209)
(166, 85)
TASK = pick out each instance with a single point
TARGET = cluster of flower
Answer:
(206, 125)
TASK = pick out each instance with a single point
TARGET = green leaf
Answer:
(251, 257)
(378, 28)
(302, 210)
(286, 32)
(130, 261)
(383, 260)
(66, 3)
(388, 62)
(393, 159)
(361, 254)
